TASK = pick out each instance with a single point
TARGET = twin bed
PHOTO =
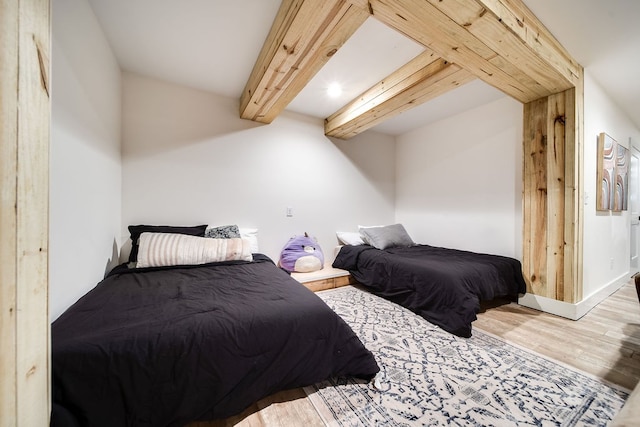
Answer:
(166, 344)
(444, 286)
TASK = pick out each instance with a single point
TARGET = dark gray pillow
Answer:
(387, 236)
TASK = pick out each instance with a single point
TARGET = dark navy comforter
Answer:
(166, 346)
(445, 286)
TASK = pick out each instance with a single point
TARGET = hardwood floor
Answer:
(605, 343)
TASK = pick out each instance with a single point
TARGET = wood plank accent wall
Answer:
(552, 200)
(24, 183)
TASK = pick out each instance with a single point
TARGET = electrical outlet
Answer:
(289, 211)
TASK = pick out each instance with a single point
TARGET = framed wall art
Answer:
(621, 179)
(606, 166)
(612, 175)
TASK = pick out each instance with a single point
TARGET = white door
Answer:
(634, 209)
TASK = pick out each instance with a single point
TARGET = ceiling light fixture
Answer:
(334, 90)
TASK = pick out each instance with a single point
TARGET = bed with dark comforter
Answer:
(445, 286)
(164, 346)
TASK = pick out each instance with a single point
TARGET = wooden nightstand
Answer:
(327, 278)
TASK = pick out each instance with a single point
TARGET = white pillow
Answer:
(369, 226)
(251, 234)
(166, 249)
(349, 238)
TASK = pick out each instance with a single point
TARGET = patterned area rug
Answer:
(429, 377)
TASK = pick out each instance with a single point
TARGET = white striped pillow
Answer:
(166, 249)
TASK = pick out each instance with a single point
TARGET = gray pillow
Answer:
(387, 236)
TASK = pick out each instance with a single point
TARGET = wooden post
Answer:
(24, 184)
(552, 202)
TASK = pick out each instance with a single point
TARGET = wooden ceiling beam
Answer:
(499, 41)
(304, 36)
(518, 19)
(425, 77)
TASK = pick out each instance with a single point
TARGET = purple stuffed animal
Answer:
(302, 254)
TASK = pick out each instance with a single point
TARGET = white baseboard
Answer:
(568, 310)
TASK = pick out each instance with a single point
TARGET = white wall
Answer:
(606, 234)
(459, 185)
(85, 154)
(459, 180)
(188, 158)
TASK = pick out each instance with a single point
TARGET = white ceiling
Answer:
(213, 44)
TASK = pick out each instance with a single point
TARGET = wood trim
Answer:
(24, 162)
(555, 163)
(8, 195)
(574, 195)
(344, 281)
(534, 188)
(552, 211)
(330, 283)
(420, 80)
(326, 278)
(304, 36)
